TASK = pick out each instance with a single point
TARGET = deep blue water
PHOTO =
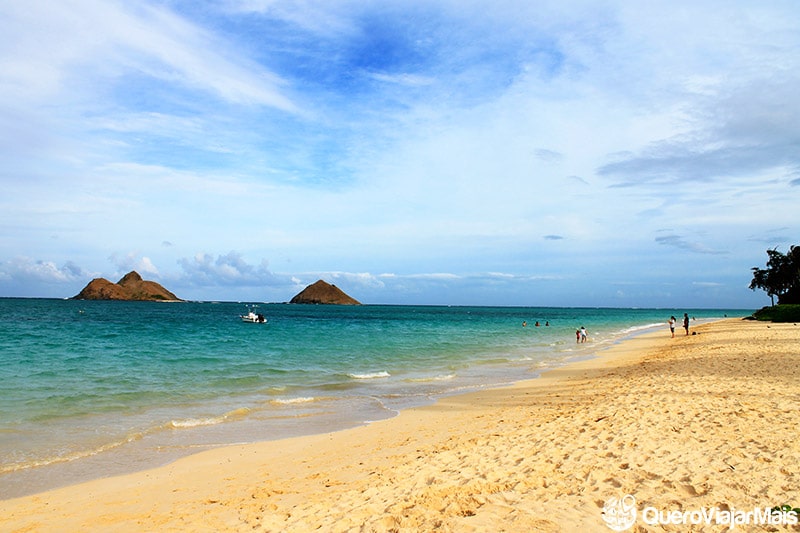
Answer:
(89, 388)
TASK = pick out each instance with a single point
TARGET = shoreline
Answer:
(152, 447)
(692, 421)
(148, 449)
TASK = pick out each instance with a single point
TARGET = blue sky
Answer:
(567, 153)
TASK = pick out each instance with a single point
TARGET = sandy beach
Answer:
(700, 421)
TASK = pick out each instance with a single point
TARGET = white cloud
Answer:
(22, 270)
(133, 261)
(229, 269)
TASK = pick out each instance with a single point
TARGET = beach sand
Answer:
(700, 421)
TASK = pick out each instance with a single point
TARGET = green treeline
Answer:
(781, 278)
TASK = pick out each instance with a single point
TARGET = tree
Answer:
(781, 278)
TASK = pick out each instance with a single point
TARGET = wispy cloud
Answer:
(680, 242)
(121, 40)
(744, 130)
(548, 156)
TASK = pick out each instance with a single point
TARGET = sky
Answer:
(454, 152)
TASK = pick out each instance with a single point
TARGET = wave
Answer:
(210, 421)
(290, 401)
(445, 377)
(644, 327)
(187, 423)
(195, 422)
(372, 375)
(69, 457)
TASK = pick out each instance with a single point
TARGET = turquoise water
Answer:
(93, 388)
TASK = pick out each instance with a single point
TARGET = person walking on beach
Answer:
(672, 321)
(686, 322)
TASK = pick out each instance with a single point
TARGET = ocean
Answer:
(96, 388)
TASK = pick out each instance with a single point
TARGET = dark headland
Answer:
(130, 287)
(323, 293)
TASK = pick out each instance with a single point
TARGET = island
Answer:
(323, 293)
(131, 287)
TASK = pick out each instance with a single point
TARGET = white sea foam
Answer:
(208, 421)
(645, 327)
(195, 422)
(372, 375)
(443, 377)
(290, 401)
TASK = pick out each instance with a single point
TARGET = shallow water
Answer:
(93, 388)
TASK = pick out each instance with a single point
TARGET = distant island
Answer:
(323, 293)
(130, 287)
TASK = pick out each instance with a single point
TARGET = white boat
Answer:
(252, 316)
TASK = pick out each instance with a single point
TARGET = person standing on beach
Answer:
(672, 321)
(584, 334)
(686, 322)
(577, 335)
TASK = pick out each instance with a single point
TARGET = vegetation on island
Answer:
(781, 278)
